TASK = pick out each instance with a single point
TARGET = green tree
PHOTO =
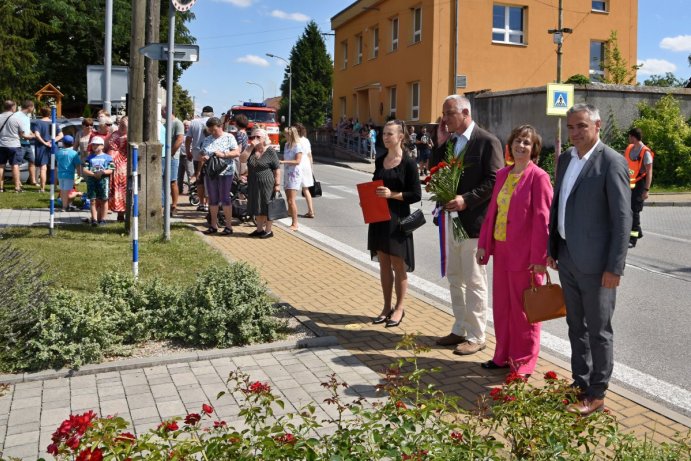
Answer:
(312, 79)
(667, 133)
(617, 69)
(183, 106)
(22, 25)
(667, 80)
(53, 41)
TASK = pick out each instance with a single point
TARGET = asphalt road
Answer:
(652, 320)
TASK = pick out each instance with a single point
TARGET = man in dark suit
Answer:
(481, 154)
(590, 221)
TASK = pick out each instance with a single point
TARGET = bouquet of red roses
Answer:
(442, 182)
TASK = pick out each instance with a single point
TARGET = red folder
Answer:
(374, 209)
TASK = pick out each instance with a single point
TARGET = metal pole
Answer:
(107, 56)
(135, 211)
(53, 151)
(557, 148)
(169, 119)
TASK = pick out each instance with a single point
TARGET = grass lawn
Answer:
(30, 198)
(77, 256)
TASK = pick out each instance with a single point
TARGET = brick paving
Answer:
(31, 411)
(339, 297)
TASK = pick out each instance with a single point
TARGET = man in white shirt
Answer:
(193, 142)
(590, 221)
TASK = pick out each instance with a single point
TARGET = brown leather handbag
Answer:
(543, 302)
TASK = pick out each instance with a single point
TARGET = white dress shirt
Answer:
(572, 171)
(462, 139)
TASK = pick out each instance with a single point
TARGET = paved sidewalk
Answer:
(341, 298)
(32, 411)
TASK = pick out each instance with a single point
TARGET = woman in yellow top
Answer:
(515, 231)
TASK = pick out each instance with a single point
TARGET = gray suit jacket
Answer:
(598, 213)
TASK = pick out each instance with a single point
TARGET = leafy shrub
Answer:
(73, 329)
(666, 132)
(226, 306)
(578, 79)
(139, 311)
(25, 292)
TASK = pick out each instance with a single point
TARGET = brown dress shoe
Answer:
(469, 347)
(586, 406)
(450, 340)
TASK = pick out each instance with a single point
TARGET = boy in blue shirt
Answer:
(68, 161)
(97, 168)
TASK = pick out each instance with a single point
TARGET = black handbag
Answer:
(316, 189)
(412, 222)
(277, 208)
(215, 166)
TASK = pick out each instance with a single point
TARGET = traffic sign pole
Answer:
(169, 120)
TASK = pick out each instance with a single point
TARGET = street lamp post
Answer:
(261, 87)
(290, 85)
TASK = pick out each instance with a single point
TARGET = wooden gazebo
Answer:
(50, 92)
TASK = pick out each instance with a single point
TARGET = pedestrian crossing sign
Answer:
(559, 99)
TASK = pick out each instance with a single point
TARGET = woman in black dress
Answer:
(387, 244)
(263, 179)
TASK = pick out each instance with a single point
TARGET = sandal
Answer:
(210, 231)
(307, 215)
(228, 231)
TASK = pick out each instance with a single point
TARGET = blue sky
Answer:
(235, 35)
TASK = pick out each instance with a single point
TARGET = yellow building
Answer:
(400, 57)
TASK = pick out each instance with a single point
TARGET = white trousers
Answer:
(469, 292)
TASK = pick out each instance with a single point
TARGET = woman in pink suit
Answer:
(515, 233)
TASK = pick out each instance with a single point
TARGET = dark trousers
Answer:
(589, 310)
(637, 207)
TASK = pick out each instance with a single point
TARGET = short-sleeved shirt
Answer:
(67, 160)
(224, 143)
(647, 158)
(178, 129)
(43, 127)
(196, 133)
(9, 136)
(99, 162)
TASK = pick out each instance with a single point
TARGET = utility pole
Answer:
(135, 109)
(169, 120)
(107, 56)
(558, 38)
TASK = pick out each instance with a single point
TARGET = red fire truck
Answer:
(259, 114)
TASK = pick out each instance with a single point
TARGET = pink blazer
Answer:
(527, 220)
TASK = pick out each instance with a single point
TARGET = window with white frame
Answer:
(344, 51)
(375, 42)
(415, 100)
(359, 49)
(508, 24)
(417, 24)
(392, 101)
(394, 34)
(597, 58)
(599, 6)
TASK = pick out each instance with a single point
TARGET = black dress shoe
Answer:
(255, 233)
(490, 365)
(381, 319)
(391, 324)
(266, 235)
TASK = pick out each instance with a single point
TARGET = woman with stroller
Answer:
(223, 146)
(263, 180)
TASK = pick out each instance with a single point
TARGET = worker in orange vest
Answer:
(640, 160)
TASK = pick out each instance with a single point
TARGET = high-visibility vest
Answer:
(636, 172)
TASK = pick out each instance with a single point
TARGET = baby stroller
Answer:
(238, 202)
(192, 193)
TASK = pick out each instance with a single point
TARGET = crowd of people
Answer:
(507, 207)
(509, 211)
